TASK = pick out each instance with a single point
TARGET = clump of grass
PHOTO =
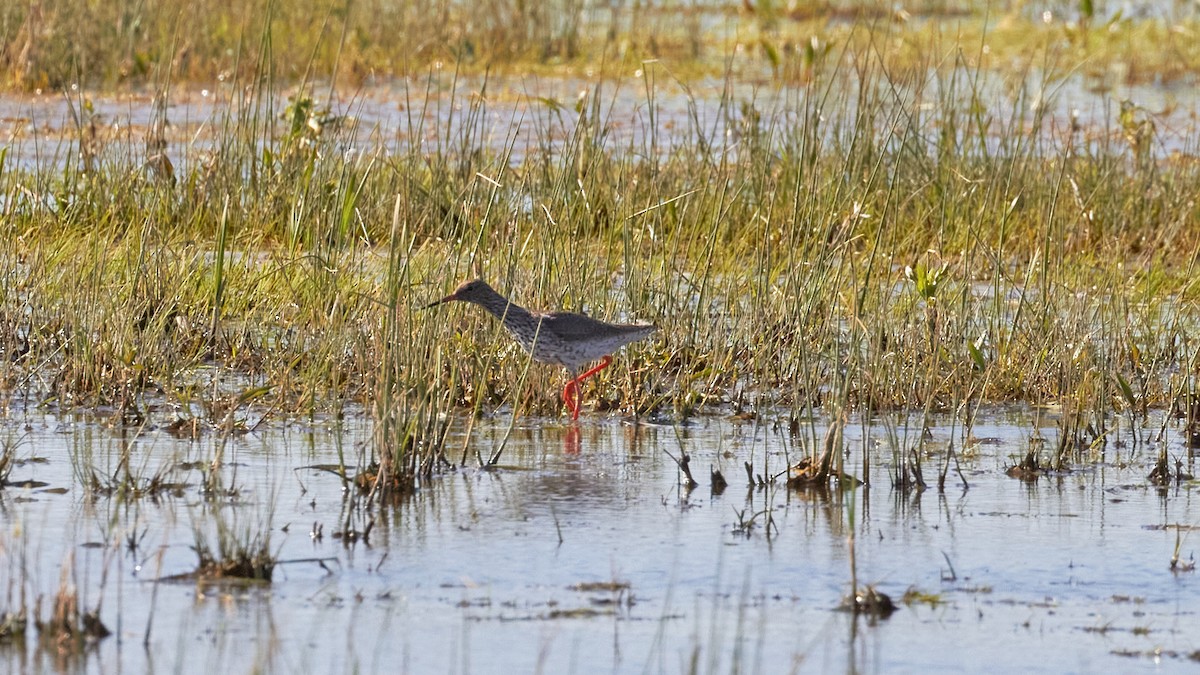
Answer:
(252, 562)
(125, 485)
(822, 470)
(1162, 474)
(128, 478)
(1029, 469)
(12, 627)
(237, 555)
(14, 619)
(69, 630)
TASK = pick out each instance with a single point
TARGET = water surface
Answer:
(597, 559)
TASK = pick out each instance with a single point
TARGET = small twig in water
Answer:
(1176, 564)
(687, 471)
(557, 527)
(319, 561)
(717, 480)
(682, 463)
(153, 598)
(953, 576)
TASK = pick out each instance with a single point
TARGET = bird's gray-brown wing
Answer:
(570, 326)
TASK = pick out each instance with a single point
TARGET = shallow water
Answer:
(597, 560)
(639, 114)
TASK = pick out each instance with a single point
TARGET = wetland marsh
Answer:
(948, 256)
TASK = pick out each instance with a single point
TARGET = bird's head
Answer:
(469, 291)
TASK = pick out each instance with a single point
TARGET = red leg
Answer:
(603, 364)
(571, 391)
(570, 397)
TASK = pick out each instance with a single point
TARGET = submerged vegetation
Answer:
(912, 223)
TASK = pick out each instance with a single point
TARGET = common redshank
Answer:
(564, 338)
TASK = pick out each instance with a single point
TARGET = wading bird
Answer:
(564, 338)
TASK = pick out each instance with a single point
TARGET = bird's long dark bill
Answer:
(448, 298)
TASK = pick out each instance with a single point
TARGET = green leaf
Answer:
(252, 394)
(976, 355)
(1126, 390)
(771, 52)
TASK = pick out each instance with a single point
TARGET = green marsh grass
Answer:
(52, 44)
(876, 239)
